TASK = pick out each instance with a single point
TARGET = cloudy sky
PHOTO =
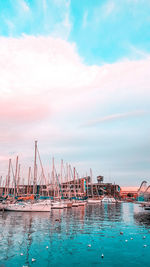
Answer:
(75, 75)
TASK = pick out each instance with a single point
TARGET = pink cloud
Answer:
(44, 81)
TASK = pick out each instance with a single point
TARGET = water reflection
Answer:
(62, 236)
(143, 218)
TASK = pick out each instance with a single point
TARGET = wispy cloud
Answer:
(115, 117)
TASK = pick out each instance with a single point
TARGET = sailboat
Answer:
(41, 206)
(27, 206)
(93, 200)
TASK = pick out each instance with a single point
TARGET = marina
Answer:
(74, 133)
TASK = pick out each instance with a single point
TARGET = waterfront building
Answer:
(80, 188)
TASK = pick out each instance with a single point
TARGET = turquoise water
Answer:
(77, 237)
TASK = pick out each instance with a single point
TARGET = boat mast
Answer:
(61, 172)
(8, 176)
(15, 178)
(29, 175)
(18, 179)
(74, 176)
(35, 170)
(91, 182)
(53, 176)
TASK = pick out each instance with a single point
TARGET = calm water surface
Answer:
(65, 242)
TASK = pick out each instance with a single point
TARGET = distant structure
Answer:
(100, 179)
(81, 187)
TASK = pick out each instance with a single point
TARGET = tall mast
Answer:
(29, 175)
(8, 177)
(91, 182)
(16, 171)
(61, 171)
(53, 175)
(6, 185)
(35, 170)
(69, 177)
(18, 179)
(74, 176)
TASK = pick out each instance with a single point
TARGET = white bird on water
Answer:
(33, 259)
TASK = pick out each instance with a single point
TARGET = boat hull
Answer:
(94, 201)
(28, 207)
(57, 205)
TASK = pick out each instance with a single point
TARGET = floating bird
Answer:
(131, 238)
(144, 237)
(46, 246)
(33, 259)
(89, 245)
(145, 246)
(102, 256)
(126, 240)
(121, 233)
(21, 254)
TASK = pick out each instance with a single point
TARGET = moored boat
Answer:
(23, 206)
(75, 204)
(82, 203)
(57, 205)
(108, 199)
(93, 201)
(67, 204)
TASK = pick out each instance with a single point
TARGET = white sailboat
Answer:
(57, 205)
(94, 201)
(108, 199)
(27, 206)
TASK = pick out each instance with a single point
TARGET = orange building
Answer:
(129, 192)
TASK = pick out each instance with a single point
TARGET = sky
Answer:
(75, 75)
